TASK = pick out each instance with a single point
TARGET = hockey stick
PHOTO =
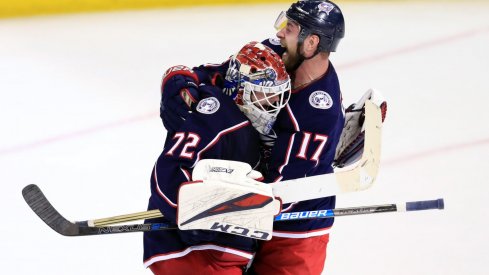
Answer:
(399, 207)
(41, 206)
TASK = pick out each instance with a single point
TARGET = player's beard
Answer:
(291, 60)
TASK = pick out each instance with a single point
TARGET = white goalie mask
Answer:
(257, 80)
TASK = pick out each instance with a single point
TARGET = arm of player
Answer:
(166, 177)
(180, 91)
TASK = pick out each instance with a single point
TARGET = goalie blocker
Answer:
(227, 198)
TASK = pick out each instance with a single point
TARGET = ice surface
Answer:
(79, 117)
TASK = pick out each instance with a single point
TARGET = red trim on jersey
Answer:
(178, 70)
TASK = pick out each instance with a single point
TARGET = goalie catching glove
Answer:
(226, 197)
(350, 146)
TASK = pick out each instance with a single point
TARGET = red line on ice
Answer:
(436, 151)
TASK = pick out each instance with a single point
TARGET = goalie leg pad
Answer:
(240, 209)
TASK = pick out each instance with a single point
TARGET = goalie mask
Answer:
(257, 81)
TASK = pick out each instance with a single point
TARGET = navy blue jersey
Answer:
(308, 131)
(217, 130)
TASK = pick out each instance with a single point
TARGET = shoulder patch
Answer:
(208, 105)
(274, 41)
(320, 100)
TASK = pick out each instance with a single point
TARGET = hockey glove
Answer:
(179, 91)
(351, 143)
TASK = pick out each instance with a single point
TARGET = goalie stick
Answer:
(358, 176)
(43, 208)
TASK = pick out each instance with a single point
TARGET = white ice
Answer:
(79, 117)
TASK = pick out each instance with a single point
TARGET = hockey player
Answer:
(305, 135)
(220, 127)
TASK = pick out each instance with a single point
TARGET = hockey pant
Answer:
(277, 256)
(291, 256)
(202, 262)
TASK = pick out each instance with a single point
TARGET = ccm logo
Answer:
(238, 230)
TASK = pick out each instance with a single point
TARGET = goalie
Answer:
(220, 127)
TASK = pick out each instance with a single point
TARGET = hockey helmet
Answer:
(257, 80)
(319, 17)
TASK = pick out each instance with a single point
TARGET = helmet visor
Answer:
(281, 21)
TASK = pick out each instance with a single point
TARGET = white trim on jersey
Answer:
(186, 173)
(287, 156)
(218, 136)
(289, 207)
(159, 190)
(302, 235)
(292, 118)
(173, 255)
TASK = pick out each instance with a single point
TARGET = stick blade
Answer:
(41, 206)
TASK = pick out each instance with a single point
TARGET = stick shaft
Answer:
(362, 210)
(316, 214)
(126, 218)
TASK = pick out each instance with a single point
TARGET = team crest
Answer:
(208, 105)
(274, 41)
(326, 7)
(320, 100)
